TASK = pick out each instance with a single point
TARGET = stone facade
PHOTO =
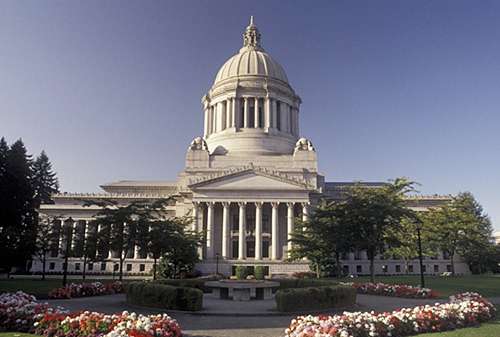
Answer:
(246, 178)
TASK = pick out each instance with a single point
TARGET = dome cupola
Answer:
(251, 108)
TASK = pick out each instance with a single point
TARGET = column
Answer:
(242, 231)
(256, 112)
(210, 230)
(296, 110)
(237, 113)
(274, 108)
(205, 125)
(258, 230)
(267, 113)
(245, 114)
(305, 211)
(225, 229)
(274, 230)
(217, 125)
(289, 225)
(198, 223)
(285, 116)
(211, 120)
(229, 112)
(73, 234)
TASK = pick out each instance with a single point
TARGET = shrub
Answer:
(241, 272)
(155, 295)
(304, 274)
(315, 298)
(304, 282)
(188, 283)
(259, 272)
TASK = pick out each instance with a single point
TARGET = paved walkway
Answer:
(226, 318)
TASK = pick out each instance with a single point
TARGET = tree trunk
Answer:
(337, 260)
(120, 274)
(452, 265)
(43, 268)
(372, 270)
(317, 270)
(406, 266)
(154, 269)
(84, 267)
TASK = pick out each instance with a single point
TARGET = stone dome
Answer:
(251, 60)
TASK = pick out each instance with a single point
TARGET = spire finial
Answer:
(251, 38)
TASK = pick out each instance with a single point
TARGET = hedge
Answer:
(304, 283)
(162, 296)
(188, 283)
(315, 298)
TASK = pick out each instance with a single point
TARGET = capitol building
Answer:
(247, 176)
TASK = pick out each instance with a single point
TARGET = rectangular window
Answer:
(103, 266)
(52, 266)
(235, 249)
(424, 268)
(436, 268)
(398, 268)
(250, 248)
(265, 223)
(242, 119)
(236, 222)
(385, 268)
(448, 268)
(129, 266)
(261, 118)
(359, 269)
(115, 267)
(410, 268)
(251, 117)
(250, 222)
(265, 248)
(91, 266)
(278, 116)
(142, 267)
(77, 266)
(345, 269)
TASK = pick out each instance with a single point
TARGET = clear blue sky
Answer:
(112, 90)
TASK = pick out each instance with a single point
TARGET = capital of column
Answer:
(210, 204)
(305, 204)
(275, 204)
(242, 204)
(290, 204)
(258, 204)
(226, 204)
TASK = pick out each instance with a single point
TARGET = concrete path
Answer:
(226, 318)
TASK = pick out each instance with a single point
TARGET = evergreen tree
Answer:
(17, 211)
(45, 182)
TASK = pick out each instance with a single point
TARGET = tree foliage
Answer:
(461, 227)
(18, 202)
(373, 212)
(323, 238)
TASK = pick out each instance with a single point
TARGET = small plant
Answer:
(260, 272)
(241, 272)
(304, 274)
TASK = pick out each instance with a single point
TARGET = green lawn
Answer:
(445, 286)
(40, 288)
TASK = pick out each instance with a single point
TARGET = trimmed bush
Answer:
(189, 283)
(241, 272)
(162, 296)
(304, 283)
(315, 298)
(259, 272)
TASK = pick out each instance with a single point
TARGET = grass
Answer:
(485, 285)
(444, 286)
(40, 289)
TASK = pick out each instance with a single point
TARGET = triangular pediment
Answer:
(250, 178)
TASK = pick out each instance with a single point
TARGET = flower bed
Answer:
(392, 290)
(87, 289)
(461, 311)
(21, 313)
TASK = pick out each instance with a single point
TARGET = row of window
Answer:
(397, 269)
(100, 266)
(358, 256)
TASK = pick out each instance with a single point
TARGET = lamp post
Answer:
(418, 225)
(69, 231)
(217, 263)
